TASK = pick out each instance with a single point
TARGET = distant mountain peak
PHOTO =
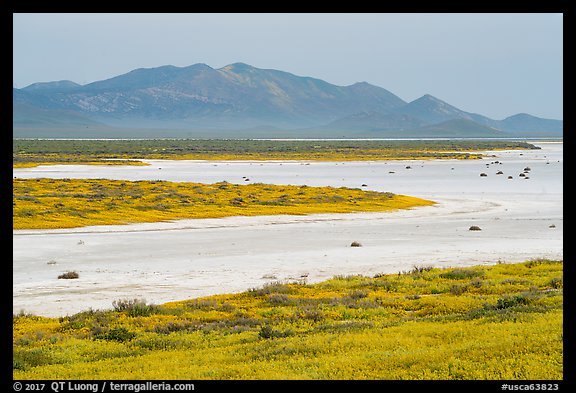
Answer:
(521, 116)
(199, 66)
(429, 98)
(523, 122)
(238, 67)
(362, 86)
(430, 103)
(56, 85)
(163, 67)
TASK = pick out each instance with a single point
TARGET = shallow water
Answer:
(178, 260)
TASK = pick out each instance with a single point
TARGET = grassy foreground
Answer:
(486, 322)
(29, 153)
(67, 203)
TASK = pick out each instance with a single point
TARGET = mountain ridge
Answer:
(239, 96)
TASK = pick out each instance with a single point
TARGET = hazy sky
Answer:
(493, 64)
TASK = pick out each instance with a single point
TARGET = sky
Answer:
(493, 64)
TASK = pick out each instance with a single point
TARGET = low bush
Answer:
(511, 301)
(268, 332)
(556, 283)
(279, 299)
(119, 334)
(135, 307)
(273, 287)
(462, 274)
(69, 276)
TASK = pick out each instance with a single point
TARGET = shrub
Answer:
(171, 327)
(515, 281)
(267, 332)
(556, 283)
(125, 304)
(25, 359)
(416, 269)
(26, 198)
(385, 285)
(204, 304)
(314, 314)
(461, 274)
(22, 314)
(69, 275)
(240, 320)
(120, 334)
(135, 307)
(208, 304)
(476, 282)
(273, 287)
(474, 228)
(355, 244)
(237, 201)
(458, 289)
(95, 320)
(359, 294)
(349, 277)
(143, 310)
(511, 301)
(536, 262)
(279, 299)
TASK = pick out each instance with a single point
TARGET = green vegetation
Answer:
(485, 322)
(35, 152)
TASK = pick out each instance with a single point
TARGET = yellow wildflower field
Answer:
(66, 203)
(493, 322)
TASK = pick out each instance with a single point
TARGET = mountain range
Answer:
(239, 100)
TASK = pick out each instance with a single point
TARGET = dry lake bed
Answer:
(520, 218)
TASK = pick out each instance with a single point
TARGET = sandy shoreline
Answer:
(177, 260)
